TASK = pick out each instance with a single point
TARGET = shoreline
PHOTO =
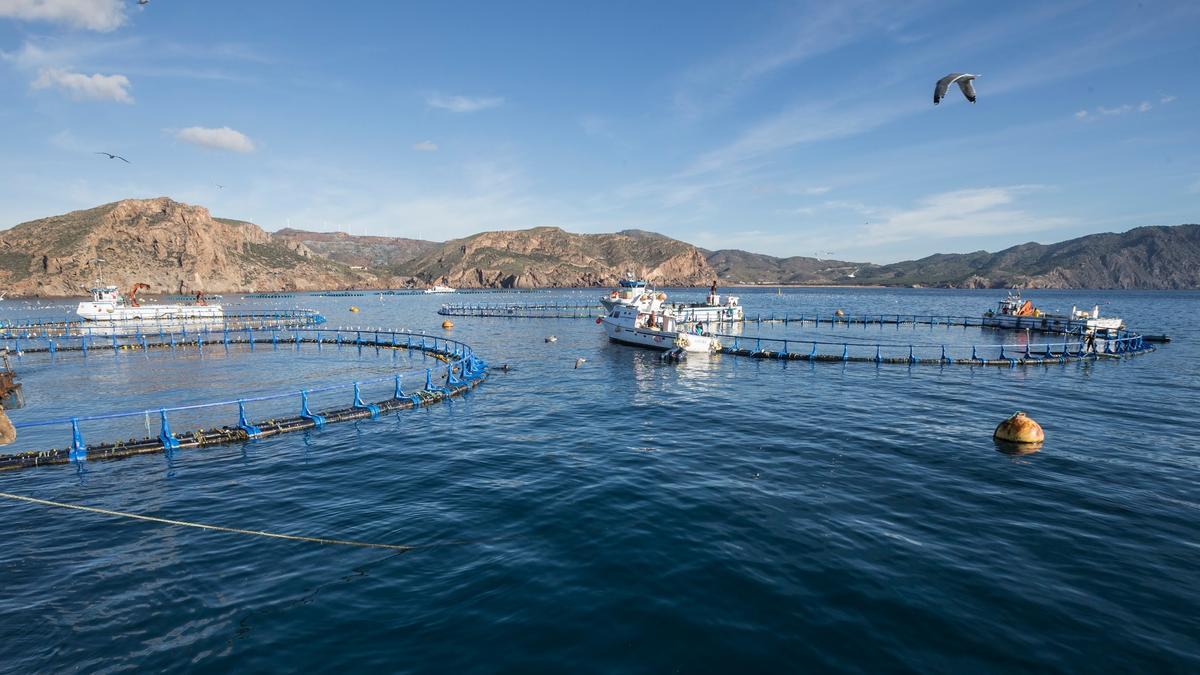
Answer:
(474, 291)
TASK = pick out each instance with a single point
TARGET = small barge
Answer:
(108, 305)
(1016, 312)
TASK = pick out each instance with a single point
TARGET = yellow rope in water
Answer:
(202, 526)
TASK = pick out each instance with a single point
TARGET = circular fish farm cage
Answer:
(348, 375)
(74, 326)
(927, 340)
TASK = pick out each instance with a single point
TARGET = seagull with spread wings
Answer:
(964, 81)
(112, 156)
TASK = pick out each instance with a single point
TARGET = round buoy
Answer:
(447, 324)
(1019, 433)
(353, 308)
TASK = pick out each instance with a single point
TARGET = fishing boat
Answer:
(655, 329)
(438, 288)
(636, 293)
(110, 306)
(1017, 312)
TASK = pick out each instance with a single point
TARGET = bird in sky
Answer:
(143, 2)
(964, 83)
(220, 187)
(112, 156)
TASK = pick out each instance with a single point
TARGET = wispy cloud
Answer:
(425, 146)
(1118, 110)
(97, 15)
(803, 124)
(222, 138)
(961, 213)
(85, 87)
(463, 104)
(800, 36)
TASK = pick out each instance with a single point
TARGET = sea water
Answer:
(724, 514)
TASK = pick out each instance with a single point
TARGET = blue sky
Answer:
(781, 128)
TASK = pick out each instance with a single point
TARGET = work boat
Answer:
(108, 305)
(1016, 312)
(654, 330)
(633, 292)
(440, 289)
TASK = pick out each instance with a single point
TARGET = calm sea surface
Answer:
(721, 515)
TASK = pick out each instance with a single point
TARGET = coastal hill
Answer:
(547, 257)
(180, 248)
(358, 251)
(173, 247)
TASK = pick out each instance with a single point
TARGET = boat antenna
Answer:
(99, 269)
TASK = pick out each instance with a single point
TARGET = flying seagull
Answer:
(220, 187)
(112, 156)
(143, 2)
(964, 83)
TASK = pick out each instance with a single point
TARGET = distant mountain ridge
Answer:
(181, 248)
(359, 250)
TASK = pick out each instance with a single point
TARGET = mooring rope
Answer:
(202, 526)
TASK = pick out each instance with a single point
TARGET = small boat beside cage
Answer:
(1018, 313)
(659, 329)
(634, 292)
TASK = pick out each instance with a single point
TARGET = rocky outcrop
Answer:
(358, 251)
(173, 247)
(548, 257)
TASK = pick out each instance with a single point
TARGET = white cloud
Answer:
(97, 15)
(463, 104)
(425, 146)
(960, 213)
(1194, 188)
(85, 87)
(1082, 114)
(223, 138)
(1167, 98)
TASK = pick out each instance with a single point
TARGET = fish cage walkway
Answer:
(460, 371)
(866, 351)
(52, 327)
(525, 310)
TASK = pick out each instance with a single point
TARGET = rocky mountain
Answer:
(549, 257)
(743, 267)
(179, 248)
(358, 251)
(1160, 257)
(173, 247)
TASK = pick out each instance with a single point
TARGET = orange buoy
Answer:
(447, 324)
(353, 309)
(1021, 431)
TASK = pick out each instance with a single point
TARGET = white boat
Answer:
(440, 289)
(658, 329)
(1016, 312)
(633, 292)
(108, 305)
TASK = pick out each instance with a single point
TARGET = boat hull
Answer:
(106, 313)
(657, 340)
